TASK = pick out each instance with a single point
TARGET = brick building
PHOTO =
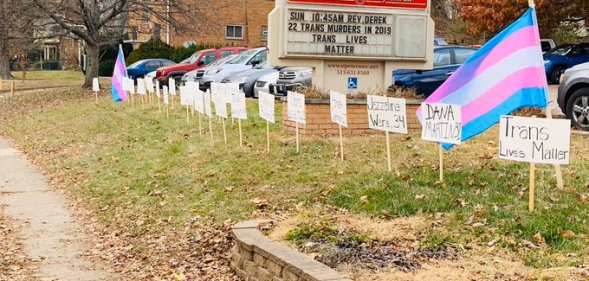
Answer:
(219, 22)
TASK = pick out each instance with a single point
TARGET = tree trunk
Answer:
(4, 62)
(92, 63)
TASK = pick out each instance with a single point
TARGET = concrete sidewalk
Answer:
(51, 237)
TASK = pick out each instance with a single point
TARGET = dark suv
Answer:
(573, 95)
(446, 60)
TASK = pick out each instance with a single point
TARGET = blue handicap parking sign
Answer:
(352, 83)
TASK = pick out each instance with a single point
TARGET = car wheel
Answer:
(555, 75)
(578, 109)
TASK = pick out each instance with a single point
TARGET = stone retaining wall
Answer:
(318, 119)
(254, 257)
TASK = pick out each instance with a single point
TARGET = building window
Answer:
(264, 33)
(234, 32)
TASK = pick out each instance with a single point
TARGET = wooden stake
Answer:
(267, 136)
(240, 133)
(12, 88)
(167, 111)
(172, 101)
(159, 105)
(224, 130)
(297, 135)
(199, 124)
(143, 102)
(441, 164)
(187, 114)
(96, 96)
(211, 127)
(341, 143)
(532, 203)
(389, 161)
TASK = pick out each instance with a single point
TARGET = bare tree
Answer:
(104, 23)
(15, 20)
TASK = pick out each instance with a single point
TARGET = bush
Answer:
(154, 48)
(106, 67)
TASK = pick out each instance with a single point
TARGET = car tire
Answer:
(577, 109)
(555, 74)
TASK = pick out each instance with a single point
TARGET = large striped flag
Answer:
(505, 74)
(118, 74)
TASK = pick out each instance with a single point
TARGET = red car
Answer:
(198, 60)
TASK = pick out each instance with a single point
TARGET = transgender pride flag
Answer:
(119, 72)
(504, 75)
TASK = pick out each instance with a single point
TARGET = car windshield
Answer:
(191, 59)
(243, 57)
(136, 64)
(223, 60)
(560, 50)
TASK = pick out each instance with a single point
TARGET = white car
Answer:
(150, 75)
(197, 74)
(244, 61)
(263, 83)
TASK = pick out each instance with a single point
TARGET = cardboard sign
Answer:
(199, 102)
(296, 107)
(157, 88)
(387, 114)
(129, 85)
(441, 123)
(185, 96)
(95, 85)
(338, 103)
(207, 99)
(166, 95)
(141, 87)
(149, 85)
(172, 86)
(535, 140)
(219, 96)
(266, 107)
(238, 105)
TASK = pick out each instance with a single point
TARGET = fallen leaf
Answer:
(567, 234)
(419, 197)
(538, 239)
(364, 199)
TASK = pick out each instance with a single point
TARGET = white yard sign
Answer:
(534, 140)
(149, 85)
(441, 123)
(129, 85)
(172, 86)
(238, 106)
(338, 104)
(95, 84)
(157, 88)
(219, 96)
(266, 107)
(166, 95)
(207, 99)
(199, 101)
(185, 96)
(387, 114)
(296, 107)
(141, 87)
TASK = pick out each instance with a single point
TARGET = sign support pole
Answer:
(187, 114)
(167, 111)
(531, 203)
(297, 135)
(224, 130)
(240, 133)
(441, 164)
(200, 124)
(341, 143)
(389, 162)
(12, 84)
(211, 128)
(267, 136)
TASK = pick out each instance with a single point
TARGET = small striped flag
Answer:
(505, 74)
(118, 75)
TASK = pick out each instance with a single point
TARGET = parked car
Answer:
(197, 74)
(198, 60)
(446, 60)
(573, 95)
(247, 78)
(245, 60)
(290, 79)
(140, 68)
(264, 82)
(547, 45)
(557, 60)
(439, 41)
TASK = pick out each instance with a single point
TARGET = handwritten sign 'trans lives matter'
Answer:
(534, 140)
(441, 123)
(387, 114)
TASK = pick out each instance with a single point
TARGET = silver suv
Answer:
(573, 95)
(291, 78)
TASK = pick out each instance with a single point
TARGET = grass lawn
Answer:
(136, 168)
(44, 79)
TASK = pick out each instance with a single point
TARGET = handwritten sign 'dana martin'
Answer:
(296, 107)
(266, 104)
(441, 123)
(387, 114)
(338, 106)
(534, 140)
